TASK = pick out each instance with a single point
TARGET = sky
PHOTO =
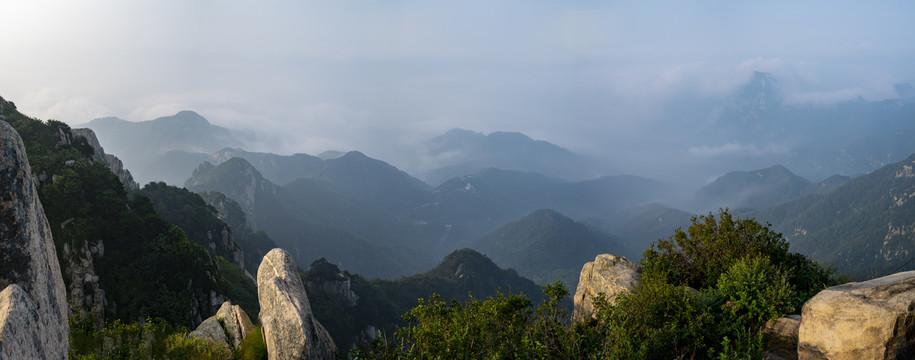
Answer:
(597, 77)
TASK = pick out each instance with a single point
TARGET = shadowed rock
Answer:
(210, 330)
(236, 322)
(780, 338)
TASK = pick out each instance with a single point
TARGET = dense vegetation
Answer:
(253, 244)
(199, 221)
(153, 339)
(865, 227)
(377, 305)
(705, 293)
(149, 267)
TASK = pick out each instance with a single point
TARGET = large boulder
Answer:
(607, 274)
(27, 254)
(289, 327)
(873, 319)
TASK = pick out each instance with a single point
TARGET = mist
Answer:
(637, 86)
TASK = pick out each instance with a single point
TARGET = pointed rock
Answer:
(289, 327)
(607, 274)
(236, 322)
(28, 257)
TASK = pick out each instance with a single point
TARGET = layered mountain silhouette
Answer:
(141, 144)
(312, 219)
(759, 189)
(462, 152)
(547, 246)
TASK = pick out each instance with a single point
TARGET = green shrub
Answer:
(252, 347)
(657, 320)
(756, 292)
(699, 256)
(156, 339)
(179, 347)
(503, 326)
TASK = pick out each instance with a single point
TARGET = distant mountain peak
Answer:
(185, 117)
(762, 78)
(756, 100)
(354, 155)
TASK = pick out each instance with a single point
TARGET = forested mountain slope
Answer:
(865, 227)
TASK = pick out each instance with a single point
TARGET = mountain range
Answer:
(502, 200)
(759, 189)
(865, 228)
(486, 181)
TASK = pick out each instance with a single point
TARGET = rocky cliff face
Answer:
(113, 162)
(246, 187)
(28, 257)
(289, 327)
(607, 274)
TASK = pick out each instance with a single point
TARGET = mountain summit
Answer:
(757, 100)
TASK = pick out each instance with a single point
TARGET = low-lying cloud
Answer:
(736, 148)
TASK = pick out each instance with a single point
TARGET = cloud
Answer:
(736, 148)
(609, 78)
(824, 97)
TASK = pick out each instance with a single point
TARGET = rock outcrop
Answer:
(342, 285)
(79, 268)
(230, 326)
(113, 162)
(873, 319)
(608, 274)
(28, 257)
(205, 303)
(289, 327)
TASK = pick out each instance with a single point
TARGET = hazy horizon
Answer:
(614, 81)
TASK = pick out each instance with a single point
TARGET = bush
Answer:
(699, 256)
(657, 320)
(179, 347)
(252, 347)
(503, 326)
